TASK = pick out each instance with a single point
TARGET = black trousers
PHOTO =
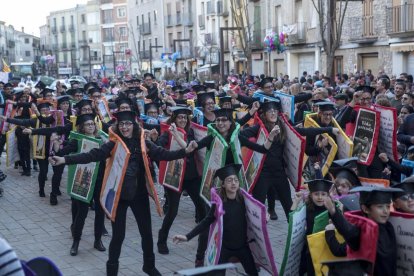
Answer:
(280, 183)
(56, 178)
(24, 158)
(244, 255)
(43, 169)
(80, 211)
(2, 142)
(141, 210)
(193, 189)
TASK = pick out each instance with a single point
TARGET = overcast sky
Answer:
(31, 14)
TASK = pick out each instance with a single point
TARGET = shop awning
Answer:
(402, 47)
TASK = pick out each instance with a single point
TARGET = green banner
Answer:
(82, 177)
(237, 156)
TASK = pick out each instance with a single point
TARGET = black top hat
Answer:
(80, 119)
(407, 185)
(210, 84)
(341, 96)
(74, 91)
(319, 185)
(181, 110)
(231, 169)
(125, 116)
(40, 85)
(365, 88)
(64, 98)
(199, 88)
(225, 99)
(369, 195)
(149, 75)
(224, 112)
(147, 106)
(351, 162)
(266, 80)
(43, 105)
(123, 100)
(347, 173)
(267, 105)
(8, 85)
(46, 90)
(325, 105)
(83, 103)
(202, 98)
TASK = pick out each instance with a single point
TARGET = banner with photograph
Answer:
(293, 153)
(59, 120)
(387, 140)
(254, 160)
(171, 174)
(103, 110)
(149, 181)
(215, 235)
(116, 166)
(200, 155)
(408, 163)
(12, 153)
(379, 182)
(198, 115)
(237, 156)
(39, 143)
(82, 177)
(366, 134)
(215, 159)
(8, 110)
(288, 104)
(345, 145)
(295, 242)
(404, 233)
(257, 233)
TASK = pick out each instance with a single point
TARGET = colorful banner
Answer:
(198, 115)
(379, 182)
(366, 135)
(320, 222)
(254, 160)
(293, 153)
(200, 155)
(404, 233)
(149, 181)
(103, 110)
(8, 110)
(387, 140)
(295, 242)
(215, 235)
(345, 145)
(324, 157)
(320, 251)
(257, 234)
(59, 120)
(237, 156)
(12, 153)
(407, 163)
(115, 169)
(215, 159)
(39, 143)
(82, 177)
(171, 173)
(288, 104)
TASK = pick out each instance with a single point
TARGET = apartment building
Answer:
(27, 47)
(7, 42)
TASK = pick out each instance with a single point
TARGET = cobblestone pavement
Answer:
(35, 228)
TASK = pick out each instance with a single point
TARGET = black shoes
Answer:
(112, 269)
(152, 272)
(2, 176)
(163, 248)
(58, 193)
(105, 232)
(272, 213)
(74, 248)
(53, 199)
(42, 193)
(98, 245)
(35, 168)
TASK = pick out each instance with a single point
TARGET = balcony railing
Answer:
(187, 19)
(144, 54)
(93, 58)
(362, 29)
(71, 28)
(297, 33)
(62, 29)
(145, 28)
(400, 19)
(201, 21)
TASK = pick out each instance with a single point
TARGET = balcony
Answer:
(144, 54)
(210, 8)
(62, 29)
(53, 29)
(257, 39)
(400, 20)
(64, 45)
(83, 42)
(94, 59)
(210, 39)
(222, 8)
(145, 28)
(362, 29)
(169, 20)
(187, 19)
(297, 33)
(201, 22)
(73, 44)
(71, 28)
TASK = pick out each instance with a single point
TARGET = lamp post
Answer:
(222, 29)
(150, 54)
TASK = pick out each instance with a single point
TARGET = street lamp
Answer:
(150, 53)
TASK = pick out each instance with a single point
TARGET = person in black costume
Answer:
(404, 202)
(375, 205)
(235, 243)
(134, 192)
(191, 184)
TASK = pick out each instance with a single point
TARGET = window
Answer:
(26, 41)
(121, 12)
(27, 53)
(107, 16)
(156, 44)
(122, 31)
(108, 34)
(83, 19)
(155, 17)
(137, 20)
(338, 65)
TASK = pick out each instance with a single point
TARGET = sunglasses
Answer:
(407, 197)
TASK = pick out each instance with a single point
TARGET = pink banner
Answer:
(199, 133)
(216, 232)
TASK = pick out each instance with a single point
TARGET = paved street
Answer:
(35, 228)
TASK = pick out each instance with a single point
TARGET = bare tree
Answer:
(240, 16)
(135, 54)
(331, 15)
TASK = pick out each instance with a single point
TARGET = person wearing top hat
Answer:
(235, 243)
(76, 93)
(404, 201)
(74, 83)
(94, 94)
(152, 88)
(85, 125)
(124, 103)
(134, 192)
(47, 94)
(181, 119)
(206, 101)
(341, 101)
(375, 205)
(42, 112)
(315, 205)
(344, 180)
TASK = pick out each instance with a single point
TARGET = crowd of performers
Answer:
(147, 115)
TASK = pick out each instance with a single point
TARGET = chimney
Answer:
(22, 29)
